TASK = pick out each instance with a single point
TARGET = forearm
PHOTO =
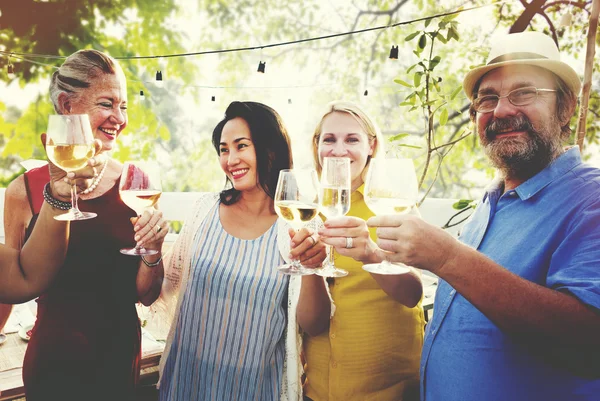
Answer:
(520, 307)
(30, 271)
(149, 279)
(314, 306)
(406, 289)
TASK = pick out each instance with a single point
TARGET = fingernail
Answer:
(293, 244)
(137, 238)
(92, 161)
(71, 174)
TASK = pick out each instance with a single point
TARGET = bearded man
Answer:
(517, 310)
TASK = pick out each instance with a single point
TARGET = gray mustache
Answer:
(517, 123)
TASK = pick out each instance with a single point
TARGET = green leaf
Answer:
(427, 22)
(411, 68)
(442, 39)
(417, 79)
(461, 204)
(411, 36)
(434, 62)
(397, 137)
(444, 116)
(404, 145)
(422, 42)
(403, 83)
(455, 92)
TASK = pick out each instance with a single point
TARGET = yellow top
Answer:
(372, 349)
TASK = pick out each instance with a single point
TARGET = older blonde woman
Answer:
(370, 347)
(86, 341)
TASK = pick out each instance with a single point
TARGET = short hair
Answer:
(78, 71)
(271, 143)
(566, 100)
(367, 124)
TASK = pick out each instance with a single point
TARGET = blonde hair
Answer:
(78, 71)
(361, 117)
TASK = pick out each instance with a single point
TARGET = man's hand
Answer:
(412, 241)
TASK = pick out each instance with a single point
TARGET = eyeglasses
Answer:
(517, 97)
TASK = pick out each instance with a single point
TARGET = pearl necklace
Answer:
(96, 180)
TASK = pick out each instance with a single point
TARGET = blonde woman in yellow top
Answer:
(366, 345)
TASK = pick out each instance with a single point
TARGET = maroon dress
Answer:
(86, 342)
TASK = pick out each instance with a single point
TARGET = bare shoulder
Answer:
(16, 193)
(17, 212)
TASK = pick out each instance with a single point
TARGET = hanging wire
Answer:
(271, 45)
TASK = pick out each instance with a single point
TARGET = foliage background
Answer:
(173, 123)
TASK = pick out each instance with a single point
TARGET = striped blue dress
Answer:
(229, 341)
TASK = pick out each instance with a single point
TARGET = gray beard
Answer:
(523, 157)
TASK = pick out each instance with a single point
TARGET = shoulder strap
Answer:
(35, 180)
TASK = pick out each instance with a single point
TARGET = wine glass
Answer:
(334, 201)
(140, 188)
(296, 201)
(69, 145)
(391, 188)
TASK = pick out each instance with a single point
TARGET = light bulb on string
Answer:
(366, 92)
(159, 79)
(394, 53)
(142, 97)
(10, 71)
(566, 18)
(261, 66)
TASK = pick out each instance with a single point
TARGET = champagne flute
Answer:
(296, 201)
(391, 188)
(140, 188)
(69, 145)
(334, 201)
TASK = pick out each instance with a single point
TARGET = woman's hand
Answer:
(60, 181)
(336, 230)
(150, 228)
(307, 247)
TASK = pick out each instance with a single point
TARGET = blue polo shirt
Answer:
(547, 231)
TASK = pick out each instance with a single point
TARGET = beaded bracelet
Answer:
(55, 203)
(149, 264)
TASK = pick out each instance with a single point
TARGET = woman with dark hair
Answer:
(234, 333)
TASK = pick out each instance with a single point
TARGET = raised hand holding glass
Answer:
(69, 145)
(140, 188)
(391, 188)
(296, 201)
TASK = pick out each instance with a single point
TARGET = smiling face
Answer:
(343, 136)
(237, 155)
(105, 102)
(520, 140)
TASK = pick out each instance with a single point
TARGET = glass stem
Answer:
(330, 255)
(74, 198)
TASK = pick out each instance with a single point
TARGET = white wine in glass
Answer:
(296, 201)
(69, 146)
(334, 201)
(391, 188)
(140, 189)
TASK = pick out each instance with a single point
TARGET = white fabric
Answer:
(177, 271)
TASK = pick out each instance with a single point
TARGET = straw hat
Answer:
(524, 48)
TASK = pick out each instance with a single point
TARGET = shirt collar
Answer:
(555, 170)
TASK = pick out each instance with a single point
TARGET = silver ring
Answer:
(158, 228)
(314, 241)
(348, 242)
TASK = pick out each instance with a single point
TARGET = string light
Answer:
(261, 66)
(408, 22)
(394, 53)
(10, 70)
(159, 79)
(142, 97)
(213, 98)
(566, 18)
(366, 92)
